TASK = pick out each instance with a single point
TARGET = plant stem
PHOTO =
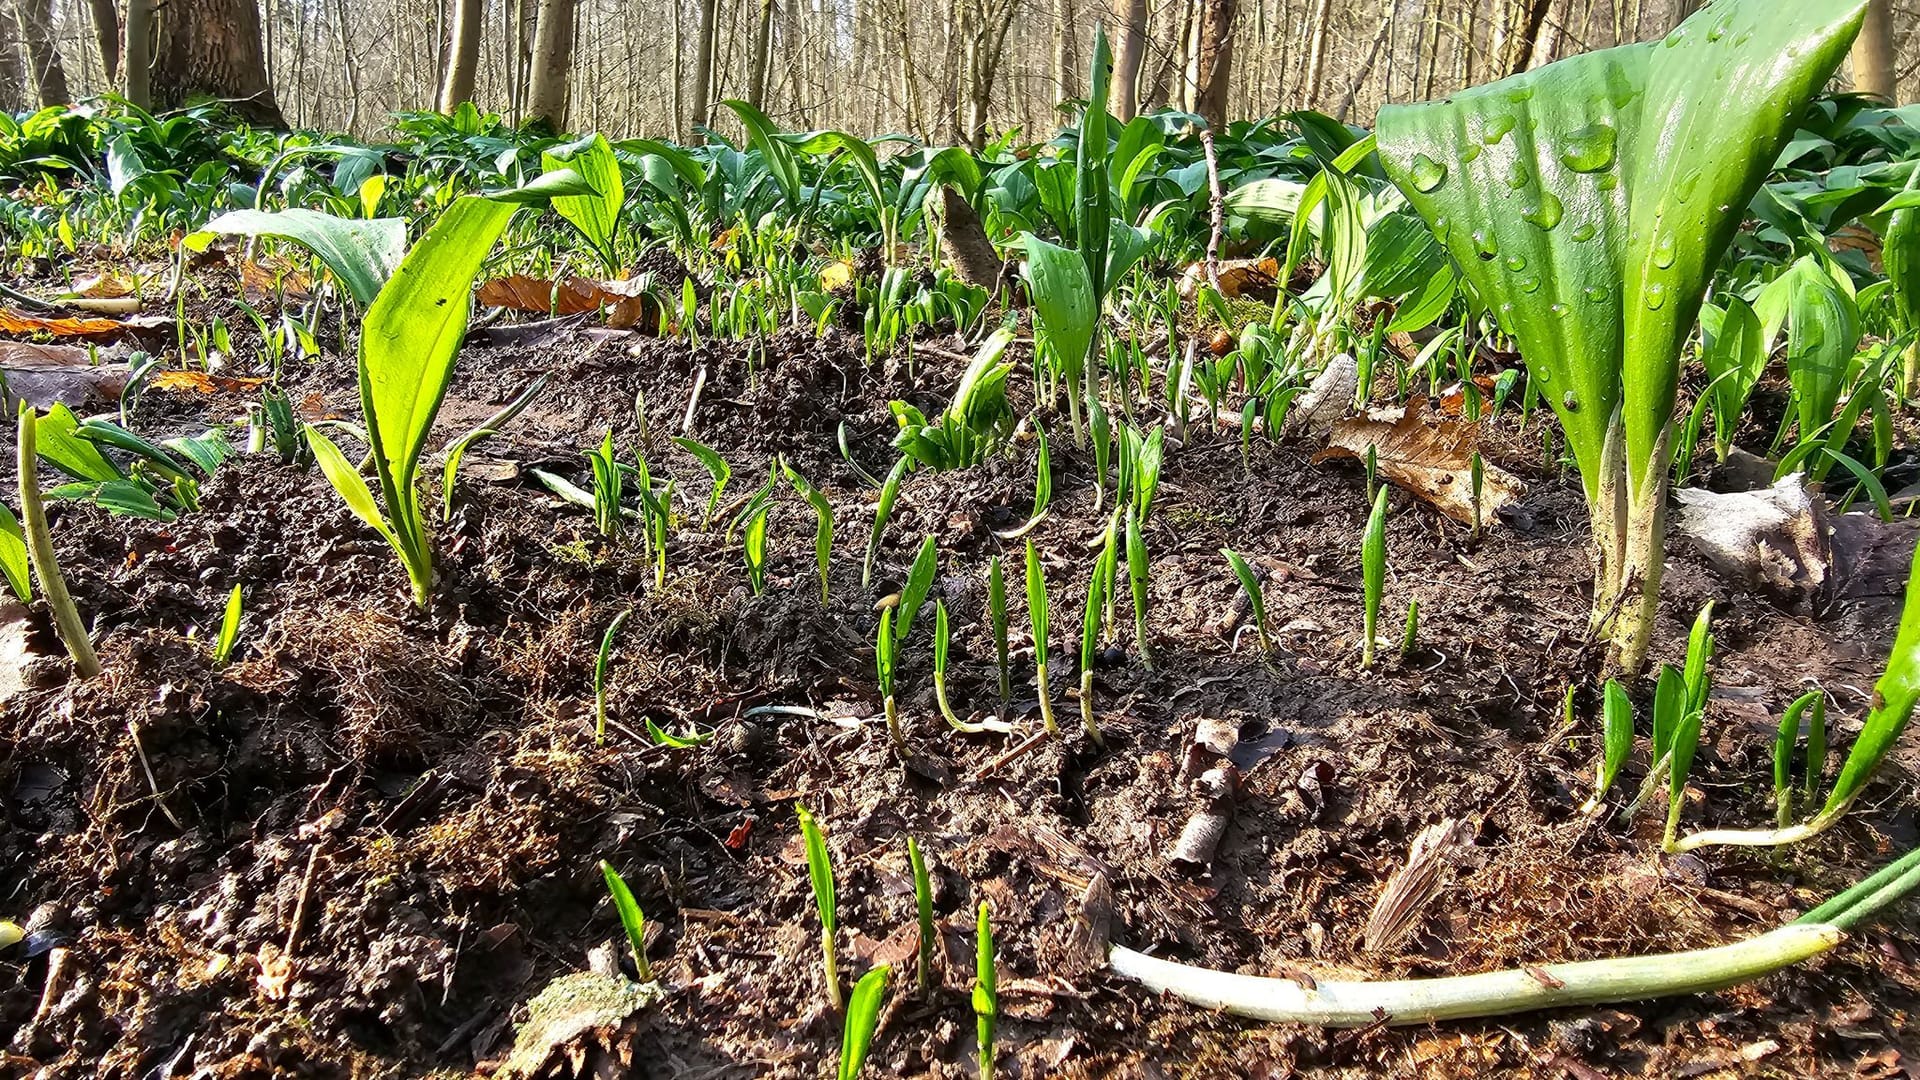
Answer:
(1046, 702)
(33, 522)
(830, 964)
(893, 725)
(1497, 993)
(1086, 709)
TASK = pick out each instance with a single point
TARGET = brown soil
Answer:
(367, 843)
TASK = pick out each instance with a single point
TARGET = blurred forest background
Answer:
(952, 71)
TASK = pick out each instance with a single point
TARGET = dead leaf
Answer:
(108, 285)
(1238, 277)
(186, 381)
(1428, 455)
(836, 276)
(624, 303)
(259, 280)
(14, 322)
(276, 972)
(45, 375)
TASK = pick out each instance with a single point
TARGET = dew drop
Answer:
(1607, 182)
(1547, 213)
(1427, 173)
(1560, 310)
(1597, 293)
(1530, 285)
(1590, 149)
(1543, 375)
(1516, 263)
(1483, 244)
(1663, 252)
(1469, 151)
(1687, 184)
(1584, 232)
(1656, 296)
(1497, 129)
(1569, 402)
(1518, 177)
(1720, 29)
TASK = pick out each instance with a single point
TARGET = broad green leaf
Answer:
(1734, 355)
(1065, 301)
(819, 869)
(919, 583)
(597, 216)
(361, 253)
(777, 154)
(631, 918)
(57, 439)
(1590, 200)
(1092, 215)
(1901, 254)
(1823, 328)
(1617, 728)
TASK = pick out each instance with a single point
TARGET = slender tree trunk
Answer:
(211, 48)
(1215, 57)
(35, 21)
(757, 62)
(463, 55)
(1130, 25)
(106, 35)
(1366, 66)
(1684, 8)
(1317, 51)
(703, 61)
(1520, 53)
(1062, 49)
(1873, 71)
(552, 63)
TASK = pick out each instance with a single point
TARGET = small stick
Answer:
(1000, 762)
(300, 903)
(133, 729)
(693, 399)
(1217, 206)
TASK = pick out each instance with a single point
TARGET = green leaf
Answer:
(347, 481)
(1590, 200)
(1894, 697)
(1065, 303)
(914, 593)
(596, 215)
(1037, 604)
(1617, 734)
(717, 469)
(56, 434)
(1823, 329)
(863, 1017)
(777, 154)
(229, 629)
(1093, 217)
(14, 564)
(819, 869)
(362, 254)
(1669, 705)
(631, 919)
(1735, 355)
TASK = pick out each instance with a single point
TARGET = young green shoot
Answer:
(631, 919)
(601, 664)
(1410, 635)
(913, 595)
(823, 515)
(1037, 614)
(33, 522)
(1373, 573)
(942, 642)
(1256, 600)
(889, 492)
(820, 871)
(1042, 488)
(885, 643)
(1476, 473)
(229, 630)
(717, 469)
(997, 613)
(923, 909)
(1811, 705)
(1097, 586)
(607, 483)
(986, 991)
(1616, 725)
(754, 539)
(1686, 740)
(863, 1019)
(1137, 579)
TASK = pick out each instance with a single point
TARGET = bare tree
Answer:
(1873, 68)
(35, 21)
(1213, 61)
(136, 78)
(552, 63)
(703, 61)
(757, 61)
(106, 36)
(1317, 48)
(210, 48)
(463, 55)
(1130, 26)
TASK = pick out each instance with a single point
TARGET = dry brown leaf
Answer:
(1237, 276)
(257, 280)
(28, 354)
(110, 285)
(1429, 455)
(14, 322)
(43, 375)
(624, 302)
(201, 382)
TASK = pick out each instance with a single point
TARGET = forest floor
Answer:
(361, 848)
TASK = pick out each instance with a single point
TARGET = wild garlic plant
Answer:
(820, 874)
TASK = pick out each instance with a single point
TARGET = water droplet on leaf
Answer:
(1427, 173)
(1590, 149)
(1497, 129)
(1547, 213)
(1663, 252)
(1516, 263)
(1656, 296)
(1584, 232)
(1597, 293)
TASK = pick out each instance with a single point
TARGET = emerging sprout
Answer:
(884, 644)
(863, 1018)
(229, 630)
(631, 919)
(1617, 741)
(1037, 613)
(823, 514)
(755, 539)
(601, 664)
(1256, 601)
(1137, 571)
(1813, 706)
(923, 908)
(607, 480)
(33, 518)
(986, 991)
(1410, 637)
(820, 870)
(717, 468)
(1373, 572)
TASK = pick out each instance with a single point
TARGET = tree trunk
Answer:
(463, 55)
(552, 64)
(1130, 22)
(1062, 50)
(1520, 54)
(1366, 66)
(703, 61)
(1684, 8)
(757, 63)
(106, 34)
(210, 48)
(1317, 51)
(1546, 41)
(1873, 71)
(1215, 61)
(48, 75)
